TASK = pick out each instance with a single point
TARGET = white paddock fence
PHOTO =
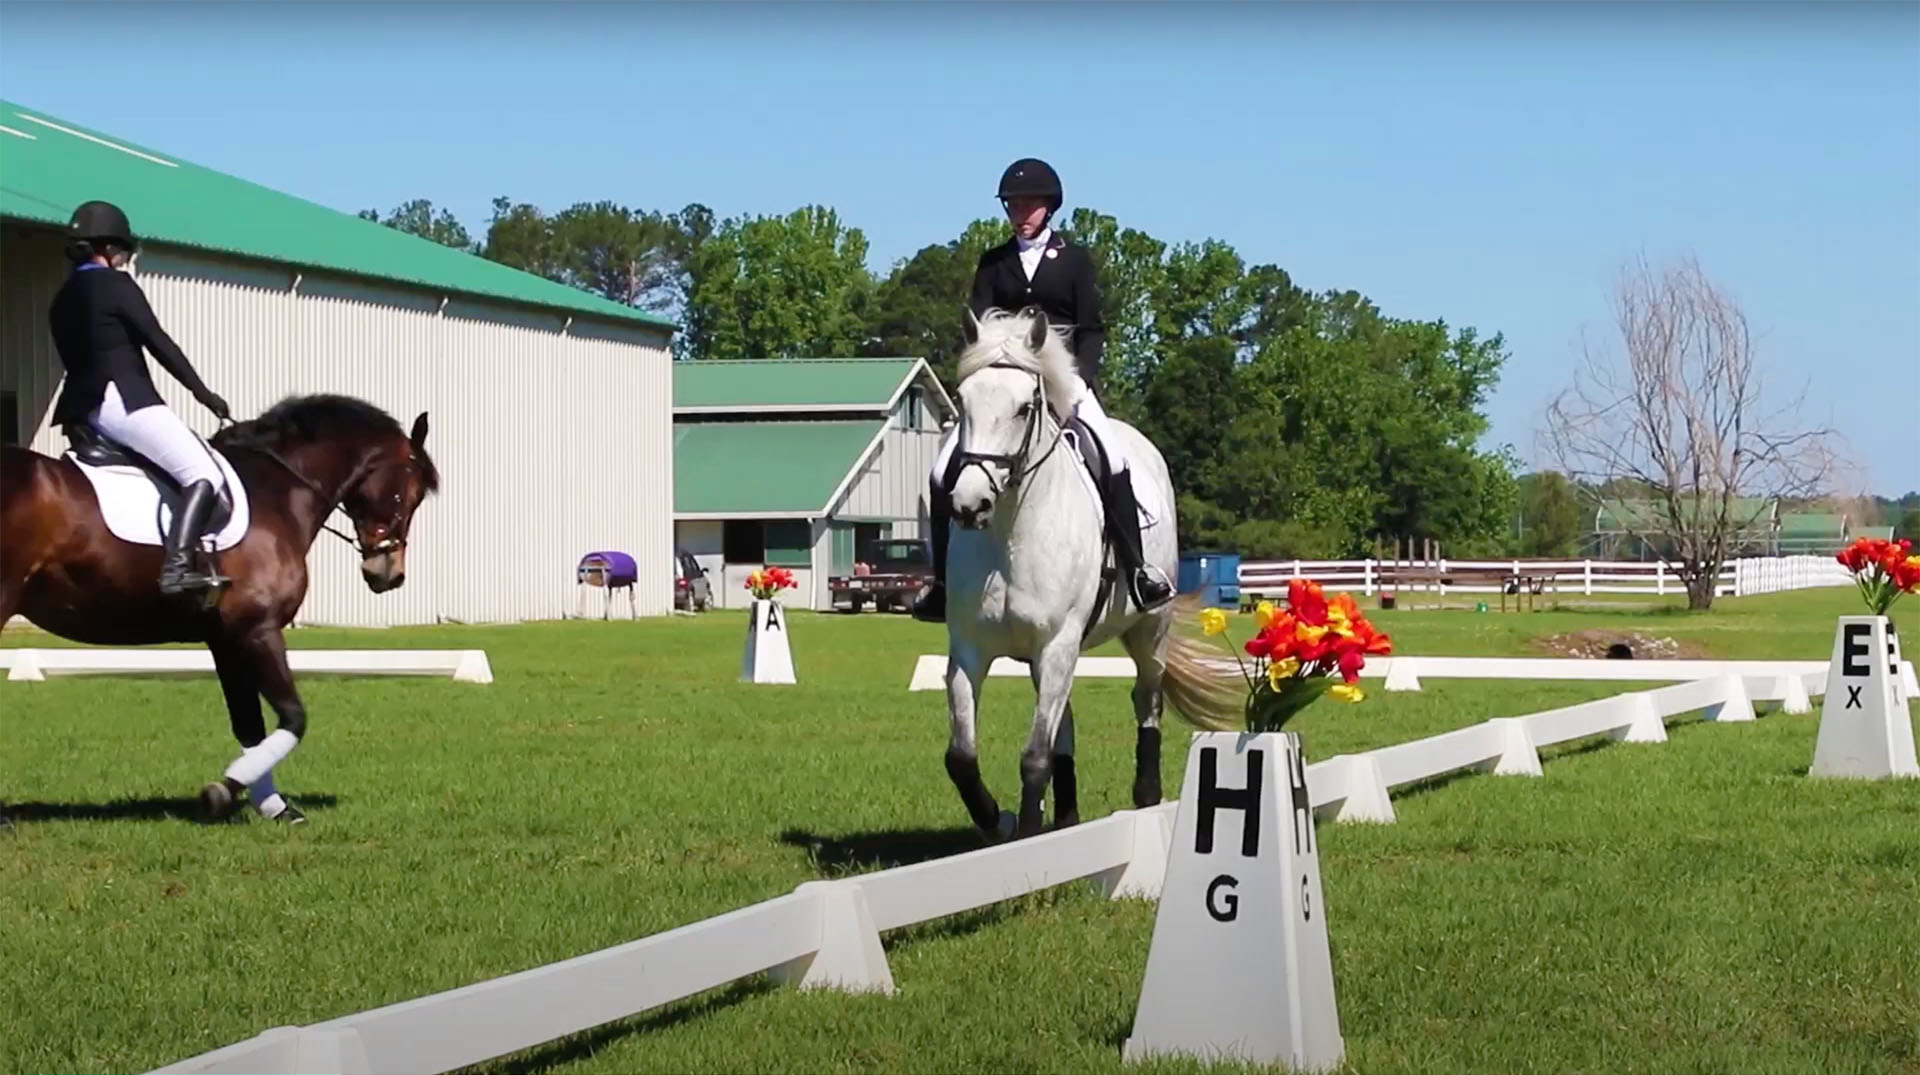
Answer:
(826, 934)
(1738, 578)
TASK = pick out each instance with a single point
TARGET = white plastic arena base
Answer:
(1239, 966)
(35, 665)
(767, 658)
(1866, 727)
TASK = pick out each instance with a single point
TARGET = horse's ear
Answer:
(1037, 335)
(971, 328)
(419, 435)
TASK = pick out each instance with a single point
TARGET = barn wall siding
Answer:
(549, 446)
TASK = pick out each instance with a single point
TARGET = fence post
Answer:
(1586, 577)
(1660, 577)
(1366, 576)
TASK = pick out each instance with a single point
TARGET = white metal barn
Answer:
(549, 408)
(801, 463)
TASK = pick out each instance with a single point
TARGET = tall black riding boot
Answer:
(932, 606)
(176, 570)
(1150, 588)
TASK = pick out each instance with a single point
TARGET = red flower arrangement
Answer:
(1298, 651)
(1882, 569)
(768, 581)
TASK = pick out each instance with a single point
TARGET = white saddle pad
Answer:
(1143, 498)
(135, 512)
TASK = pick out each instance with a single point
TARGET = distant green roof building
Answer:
(1757, 526)
(45, 161)
(801, 463)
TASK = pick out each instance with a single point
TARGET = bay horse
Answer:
(64, 568)
(1031, 576)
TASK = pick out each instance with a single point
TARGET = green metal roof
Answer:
(745, 469)
(1812, 524)
(49, 165)
(1742, 513)
(795, 383)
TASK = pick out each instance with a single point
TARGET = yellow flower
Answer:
(1338, 623)
(1280, 671)
(1263, 614)
(1347, 692)
(1306, 632)
(1213, 621)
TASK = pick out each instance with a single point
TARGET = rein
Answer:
(386, 544)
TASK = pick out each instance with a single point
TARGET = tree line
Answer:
(1295, 422)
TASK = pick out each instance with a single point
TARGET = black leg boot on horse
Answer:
(1149, 587)
(932, 606)
(177, 572)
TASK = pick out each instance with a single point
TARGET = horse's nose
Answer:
(971, 516)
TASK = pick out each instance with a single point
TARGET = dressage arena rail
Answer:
(25, 665)
(827, 933)
(1738, 578)
(1405, 673)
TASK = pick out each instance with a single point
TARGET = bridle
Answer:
(1016, 472)
(390, 543)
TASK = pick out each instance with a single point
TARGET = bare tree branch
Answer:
(1680, 419)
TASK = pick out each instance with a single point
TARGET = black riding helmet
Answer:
(98, 221)
(1034, 178)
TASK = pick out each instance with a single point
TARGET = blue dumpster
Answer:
(1215, 574)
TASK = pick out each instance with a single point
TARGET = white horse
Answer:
(1028, 572)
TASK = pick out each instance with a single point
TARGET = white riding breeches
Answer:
(1090, 412)
(159, 434)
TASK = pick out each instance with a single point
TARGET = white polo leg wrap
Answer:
(258, 760)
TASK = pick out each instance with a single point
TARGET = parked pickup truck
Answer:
(889, 576)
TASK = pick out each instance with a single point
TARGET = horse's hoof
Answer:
(1066, 821)
(1008, 823)
(217, 801)
(291, 815)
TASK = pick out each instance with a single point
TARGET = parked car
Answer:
(692, 590)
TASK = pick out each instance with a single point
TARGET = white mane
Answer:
(1003, 339)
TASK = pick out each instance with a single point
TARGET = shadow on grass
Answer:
(576, 1047)
(837, 856)
(167, 808)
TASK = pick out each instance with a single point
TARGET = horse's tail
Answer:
(1204, 686)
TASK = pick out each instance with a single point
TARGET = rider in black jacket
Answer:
(1040, 267)
(100, 321)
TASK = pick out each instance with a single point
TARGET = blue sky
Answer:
(1490, 164)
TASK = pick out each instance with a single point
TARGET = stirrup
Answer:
(932, 605)
(1143, 577)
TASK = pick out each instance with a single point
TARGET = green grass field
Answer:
(1698, 905)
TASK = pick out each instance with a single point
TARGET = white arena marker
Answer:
(767, 658)
(1239, 967)
(1401, 677)
(1866, 728)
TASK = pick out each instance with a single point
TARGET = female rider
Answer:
(1040, 267)
(100, 321)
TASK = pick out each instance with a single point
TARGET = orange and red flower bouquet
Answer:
(1883, 570)
(768, 581)
(1315, 646)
